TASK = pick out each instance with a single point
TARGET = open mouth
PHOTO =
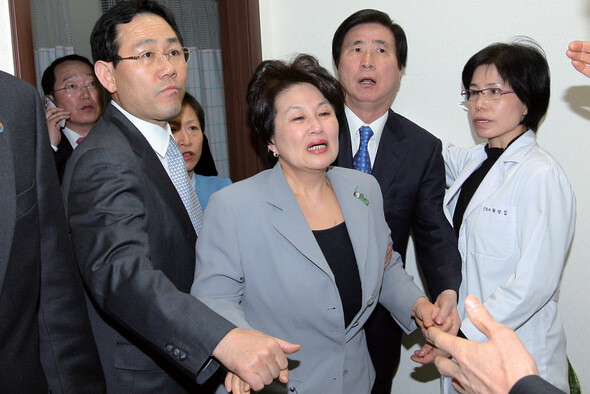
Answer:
(367, 81)
(317, 147)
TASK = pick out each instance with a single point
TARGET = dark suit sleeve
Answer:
(534, 384)
(68, 352)
(435, 239)
(107, 215)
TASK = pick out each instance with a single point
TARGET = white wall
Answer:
(441, 37)
(6, 57)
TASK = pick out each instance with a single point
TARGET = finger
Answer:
(579, 46)
(445, 311)
(460, 389)
(581, 67)
(239, 386)
(480, 317)
(444, 341)
(447, 324)
(284, 376)
(448, 368)
(227, 383)
(288, 347)
(426, 348)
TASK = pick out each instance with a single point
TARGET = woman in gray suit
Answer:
(299, 251)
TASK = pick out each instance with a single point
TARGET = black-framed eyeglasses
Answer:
(72, 87)
(176, 56)
(488, 93)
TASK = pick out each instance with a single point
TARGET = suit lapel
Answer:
(289, 221)
(7, 199)
(390, 153)
(154, 170)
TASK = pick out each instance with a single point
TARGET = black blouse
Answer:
(337, 249)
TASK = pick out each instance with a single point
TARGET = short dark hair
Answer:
(371, 16)
(522, 64)
(103, 39)
(189, 99)
(48, 78)
(275, 76)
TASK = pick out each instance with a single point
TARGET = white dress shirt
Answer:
(355, 123)
(156, 136)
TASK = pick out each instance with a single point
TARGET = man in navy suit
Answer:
(46, 341)
(370, 51)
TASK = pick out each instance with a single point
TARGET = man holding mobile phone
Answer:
(73, 104)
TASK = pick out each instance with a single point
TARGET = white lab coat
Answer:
(514, 238)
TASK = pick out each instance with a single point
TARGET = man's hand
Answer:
(579, 52)
(447, 302)
(52, 117)
(480, 367)
(254, 356)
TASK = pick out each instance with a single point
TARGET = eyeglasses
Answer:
(488, 93)
(71, 88)
(176, 56)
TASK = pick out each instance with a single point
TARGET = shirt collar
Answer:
(157, 136)
(72, 136)
(355, 123)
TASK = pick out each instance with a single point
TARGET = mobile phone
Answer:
(50, 104)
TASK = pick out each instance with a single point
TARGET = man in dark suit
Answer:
(370, 51)
(133, 238)
(69, 82)
(45, 338)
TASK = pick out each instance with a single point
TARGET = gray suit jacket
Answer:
(259, 265)
(46, 340)
(134, 243)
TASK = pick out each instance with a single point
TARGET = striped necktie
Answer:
(183, 185)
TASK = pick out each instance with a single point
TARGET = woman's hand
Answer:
(235, 385)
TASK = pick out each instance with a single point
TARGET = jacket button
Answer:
(370, 301)
(182, 356)
(339, 349)
(169, 347)
(345, 372)
(176, 352)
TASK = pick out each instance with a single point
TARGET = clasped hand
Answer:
(446, 318)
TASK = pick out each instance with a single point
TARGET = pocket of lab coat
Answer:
(496, 234)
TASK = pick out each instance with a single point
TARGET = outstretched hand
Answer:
(483, 367)
(579, 52)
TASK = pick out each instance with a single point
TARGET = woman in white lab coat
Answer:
(511, 204)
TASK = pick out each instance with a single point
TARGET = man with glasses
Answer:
(134, 222)
(73, 104)
(370, 51)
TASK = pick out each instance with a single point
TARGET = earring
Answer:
(275, 154)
